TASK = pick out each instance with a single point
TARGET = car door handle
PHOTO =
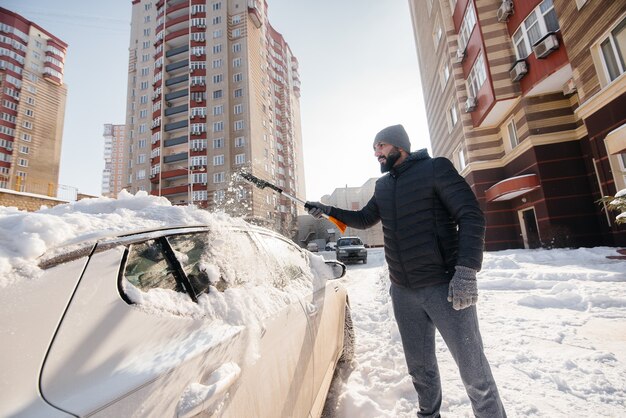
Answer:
(199, 397)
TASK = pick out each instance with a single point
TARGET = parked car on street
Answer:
(175, 322)
(351, 249)
(313, 247)
(330, 246)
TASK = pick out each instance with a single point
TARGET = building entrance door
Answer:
(530, 230)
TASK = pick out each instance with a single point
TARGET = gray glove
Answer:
(463, 290)
(316, 209)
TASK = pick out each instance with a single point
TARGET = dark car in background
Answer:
(351, 249)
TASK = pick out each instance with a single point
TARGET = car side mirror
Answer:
(339, 269)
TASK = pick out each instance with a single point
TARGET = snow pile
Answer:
(24, 236)
(554, 329)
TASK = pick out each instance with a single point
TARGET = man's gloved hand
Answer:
(316, 209)
(463, 290)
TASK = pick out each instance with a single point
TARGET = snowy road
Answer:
(553, 325)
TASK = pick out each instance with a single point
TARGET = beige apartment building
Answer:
(114, 146)
(322, 231)
(528, 99)
(32, 105)
(213, 89)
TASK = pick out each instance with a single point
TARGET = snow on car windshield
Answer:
(25, 236)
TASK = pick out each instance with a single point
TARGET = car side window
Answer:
(191, 250)
(220, 258)
(147, 268)
(289, 260)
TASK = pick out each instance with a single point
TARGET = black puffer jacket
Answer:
(421, 203)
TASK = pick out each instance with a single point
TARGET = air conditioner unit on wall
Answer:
(461, 53)
(519, 70)
(505, 10)
(546, 45)
(470, 104)
(569, 87)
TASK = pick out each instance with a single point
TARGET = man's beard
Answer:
(390, 160)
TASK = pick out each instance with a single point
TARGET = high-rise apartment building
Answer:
(527, 98)
(213, 89)
(32, 105)
(114, 148)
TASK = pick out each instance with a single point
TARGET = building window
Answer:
(437, 32)
(613, 50)
(237, 77)
(453, 116)
(467, 26)
(238, 92)
(238, 109)
(240, 142)
(27, 137)
(237, 33)
(217, 63)
(141, 174)
(217, 94)
(22, 162)
(477, 76)
(541, 21)
(236, 19)
(459, 157)
(240, 159)
(218, 159)
(219, 196)
(218, 110)
(27, 124)
(219, 177)
(237, 62)
(237, 47)
(24, 149)
(218, 78)
(511, 131)
(218, 143)
(444, 75)
(238, 125)
(218, 126)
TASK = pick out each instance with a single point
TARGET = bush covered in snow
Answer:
(617, 203)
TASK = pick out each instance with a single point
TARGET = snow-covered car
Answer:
(313, 247)
(175, 322)
(330, 246)
(351, 249)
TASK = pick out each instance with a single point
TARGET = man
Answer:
(434, 234)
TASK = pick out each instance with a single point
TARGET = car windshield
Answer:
(349, 241)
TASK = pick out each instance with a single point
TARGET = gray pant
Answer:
(418, 312)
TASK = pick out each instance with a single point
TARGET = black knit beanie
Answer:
(394, 135)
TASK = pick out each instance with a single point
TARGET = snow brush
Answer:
(262, 184)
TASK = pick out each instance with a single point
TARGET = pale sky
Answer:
(358, 69)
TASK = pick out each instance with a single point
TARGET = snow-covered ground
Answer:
(553, 324)
(553, 321)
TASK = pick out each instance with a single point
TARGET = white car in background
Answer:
(178, 322)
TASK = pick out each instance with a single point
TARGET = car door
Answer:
(161, 356)
(323, 301)
(293, 275)
(110, 358)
